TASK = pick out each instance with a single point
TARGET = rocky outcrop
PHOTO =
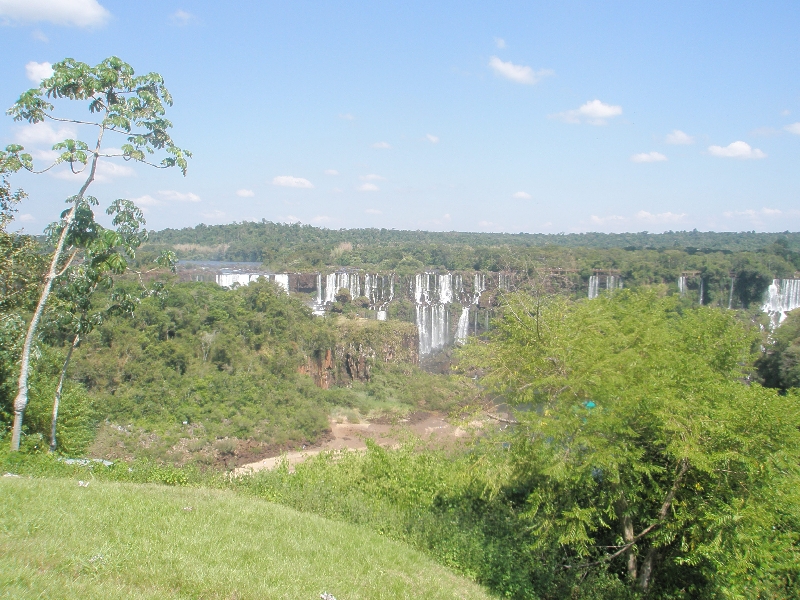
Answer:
(362, 343)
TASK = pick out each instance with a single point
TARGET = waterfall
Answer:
(730, 296)
(282, 279)
(594, 286)
(432, 294)
(228, 279)
(613, 282)
(504, 281)
(782, 296)
(682, 285)
(701, 291)
(462, 329)
(480, 287)
(368, 285)
(318, 308)
(336, 281)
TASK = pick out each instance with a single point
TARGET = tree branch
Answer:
(662, 514)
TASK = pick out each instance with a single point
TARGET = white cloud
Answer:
(289, 181)
(610, 219)
(521, 195)
(517, 73)
(665, 217)
(368, 187)
(214, 215)
(793, 128)
(172, 195)
(765, 132)
(755, 215)
(105, 172)
(381, 145)
(26, 218)
(80, 13)
(786, 113)
(372, 177)
(331, 172)
(291, 219)
(146, 200)
(42, 134)
(38, 71)
(489, 225)
(373, 211)
(39, 36)
(593, 112)
(736, 150)
(500, 43)
(433, 139)
(347, 116)
(679, 138)
(648, 157)
(181, 17)
(107, 169)
(245, 193)
(320, 219)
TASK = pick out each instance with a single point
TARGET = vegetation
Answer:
(300, 246)
(109, 540)
(213, 376)
(653, 447)
(641, 450)
(779, 366)
(124, 104)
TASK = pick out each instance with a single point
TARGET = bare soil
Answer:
(433, 428)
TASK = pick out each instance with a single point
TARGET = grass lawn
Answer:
(117, 540)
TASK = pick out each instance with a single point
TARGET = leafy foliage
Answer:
(639, 441)
(779, 367)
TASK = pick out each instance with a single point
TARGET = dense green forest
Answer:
(259, 241)
(203, 374)
(753, 259)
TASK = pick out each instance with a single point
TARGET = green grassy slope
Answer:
(108, 540)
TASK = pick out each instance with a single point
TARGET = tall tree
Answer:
(119, 102)
(643, 447)
(105, 253)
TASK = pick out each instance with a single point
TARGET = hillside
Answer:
(109, 540)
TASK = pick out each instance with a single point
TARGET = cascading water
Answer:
(228, 280)
(594, 286)
(613, 282)
(432, 293)
(479, 287)
(336, 281)
(462, 329)
(730, 296)
(682, 285)
(782, 296)
(282, 279)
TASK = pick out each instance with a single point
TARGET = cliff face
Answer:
(362, 343)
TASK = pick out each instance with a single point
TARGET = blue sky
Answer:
(505, 116)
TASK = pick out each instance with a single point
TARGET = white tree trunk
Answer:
(21, 401)
(59, 389)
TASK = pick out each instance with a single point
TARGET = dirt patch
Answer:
(432, 428)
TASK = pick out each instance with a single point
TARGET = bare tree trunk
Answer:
(647, 569)
(628, 537)
(21, 401)
(647, 566)
(57, 399)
